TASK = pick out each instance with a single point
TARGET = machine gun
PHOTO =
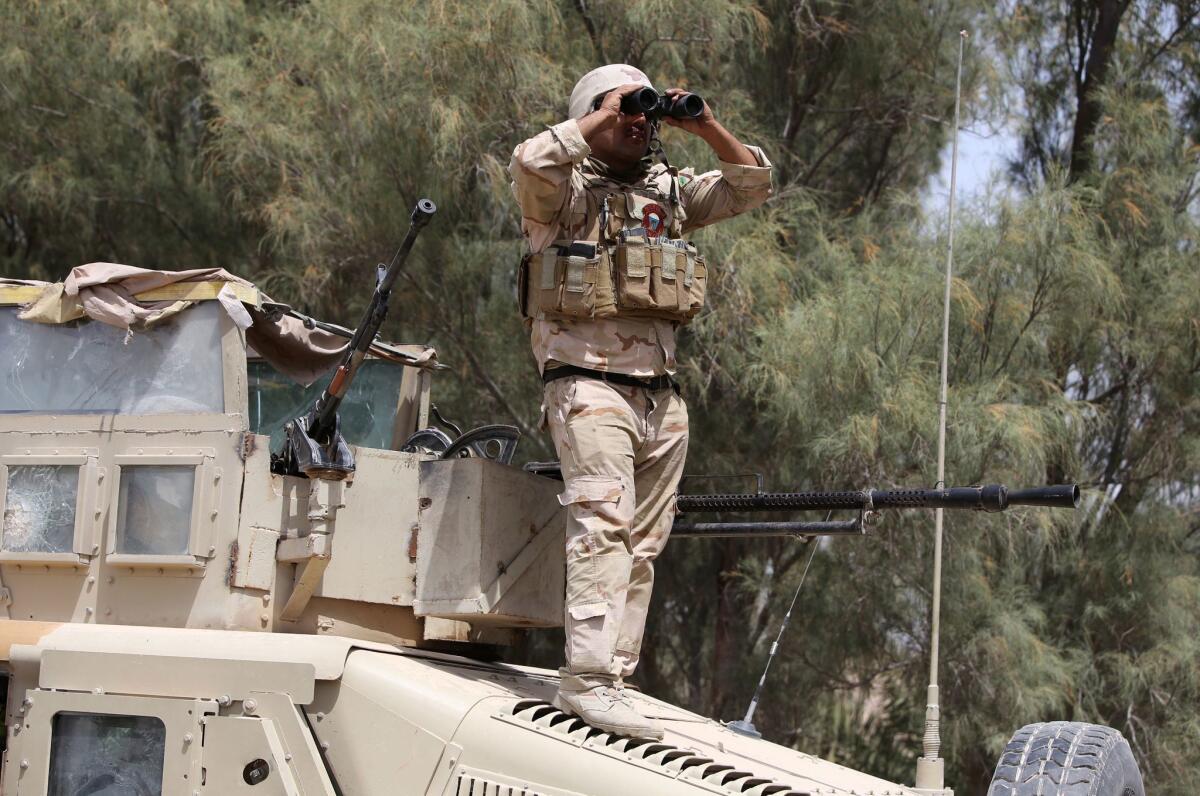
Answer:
(868, 502)
(314, 446)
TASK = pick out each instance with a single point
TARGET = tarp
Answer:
(108, 293)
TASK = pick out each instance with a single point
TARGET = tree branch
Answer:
(152, 205)
(590, 26)
(481, 374)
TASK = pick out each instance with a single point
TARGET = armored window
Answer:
(367, 414)
(39, 508)
(163, 507)
(45, 495)
(88, 367)
(154, 509)
(99, 754)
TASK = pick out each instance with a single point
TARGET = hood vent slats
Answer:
(688, 764)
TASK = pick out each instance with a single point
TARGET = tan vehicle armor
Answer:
(631, 262)
(185, 613)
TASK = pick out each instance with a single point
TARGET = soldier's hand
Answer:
(611, 104)
(694, 126)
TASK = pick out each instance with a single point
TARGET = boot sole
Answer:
(649, 735)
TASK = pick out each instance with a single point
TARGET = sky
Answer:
(982, 154)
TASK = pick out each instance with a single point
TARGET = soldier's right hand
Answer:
(611, 104)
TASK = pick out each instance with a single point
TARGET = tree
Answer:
(1060, 57)
(104, 116)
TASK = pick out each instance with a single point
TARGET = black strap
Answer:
(652, 383)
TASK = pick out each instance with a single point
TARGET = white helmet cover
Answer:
(601, 81)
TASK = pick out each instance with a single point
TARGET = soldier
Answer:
(607, 281)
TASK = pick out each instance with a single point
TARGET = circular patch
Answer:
(654, 219)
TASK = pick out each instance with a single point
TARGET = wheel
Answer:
(1067, 758)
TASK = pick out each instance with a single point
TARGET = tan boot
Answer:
(606, 708)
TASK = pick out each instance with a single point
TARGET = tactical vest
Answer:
(628, 259)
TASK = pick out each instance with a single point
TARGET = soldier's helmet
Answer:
(600, 81)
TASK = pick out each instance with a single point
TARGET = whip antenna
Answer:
(931, 768)
(746, 725)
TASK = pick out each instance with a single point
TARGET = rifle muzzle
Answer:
(422, 212)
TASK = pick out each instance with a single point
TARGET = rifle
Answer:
(989, 498)
(315, 446)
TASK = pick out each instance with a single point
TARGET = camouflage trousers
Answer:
(622, 451)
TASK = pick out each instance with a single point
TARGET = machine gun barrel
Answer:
(324, 417)
(992, 497)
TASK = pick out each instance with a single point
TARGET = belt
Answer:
(652, 383)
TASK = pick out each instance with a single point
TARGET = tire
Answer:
(1067, 758)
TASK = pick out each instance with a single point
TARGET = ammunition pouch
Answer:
(567, 280)
(637, 277)
(632, 262)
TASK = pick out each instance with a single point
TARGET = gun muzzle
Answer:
(422, 212)
(1060, 496)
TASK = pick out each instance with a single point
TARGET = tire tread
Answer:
(1061, 758)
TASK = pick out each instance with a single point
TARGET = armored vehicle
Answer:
(183, 615)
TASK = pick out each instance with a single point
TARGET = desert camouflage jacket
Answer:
(557, 202)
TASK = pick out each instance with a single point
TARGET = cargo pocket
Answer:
(602, 494)
(589, 641)
(596, 591)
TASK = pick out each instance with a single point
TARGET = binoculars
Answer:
(655, 105)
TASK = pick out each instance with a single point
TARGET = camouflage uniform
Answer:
(622, 448)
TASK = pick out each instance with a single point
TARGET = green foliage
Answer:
(103, 117)
(288, 142)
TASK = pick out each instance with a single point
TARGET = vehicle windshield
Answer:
(88, 367)
(367, 413)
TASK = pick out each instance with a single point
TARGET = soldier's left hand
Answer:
(694, 126)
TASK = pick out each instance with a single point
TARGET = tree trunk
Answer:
(1100, 49)
(725, 638)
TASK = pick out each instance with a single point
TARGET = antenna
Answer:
(931, 768)
(746, 725)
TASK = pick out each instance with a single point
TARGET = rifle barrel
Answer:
(325, 412)
(991, 497)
